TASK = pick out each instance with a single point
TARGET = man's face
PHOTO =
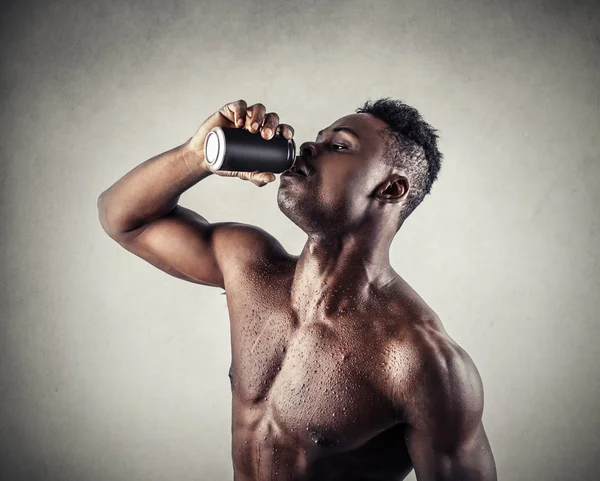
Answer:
(347, 169)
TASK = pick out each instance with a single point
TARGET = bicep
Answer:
(468, 459)
(185, 245)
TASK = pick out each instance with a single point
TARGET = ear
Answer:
(393, 189)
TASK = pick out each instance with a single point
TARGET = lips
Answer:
(301, 166)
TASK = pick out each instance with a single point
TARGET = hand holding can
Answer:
(227, 143)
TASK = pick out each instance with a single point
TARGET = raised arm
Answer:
(141, 211)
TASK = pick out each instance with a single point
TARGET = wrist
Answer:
(194, 159)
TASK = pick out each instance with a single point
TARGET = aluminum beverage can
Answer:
(237, 149)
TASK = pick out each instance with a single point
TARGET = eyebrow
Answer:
(340, 129)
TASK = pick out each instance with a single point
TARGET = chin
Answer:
(289, 206)
(295, 210)
(308, 211)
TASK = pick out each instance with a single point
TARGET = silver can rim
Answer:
(215, 134)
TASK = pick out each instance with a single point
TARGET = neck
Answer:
(340, 274)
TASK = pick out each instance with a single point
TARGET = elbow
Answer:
(102, 215)
(100, 205)
(111, 220)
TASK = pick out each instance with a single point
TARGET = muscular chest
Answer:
(316, 381)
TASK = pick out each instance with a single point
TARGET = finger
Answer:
(253, 177)
(235, 112)
(286, 130)
(262, 178)
(255, 115)
(257, 177)
(267, 177)
(270, 125)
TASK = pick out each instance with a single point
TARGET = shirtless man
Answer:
(340, 371)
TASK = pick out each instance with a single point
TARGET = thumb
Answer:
(261, 178)
(266, 177)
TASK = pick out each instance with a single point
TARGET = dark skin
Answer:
(340, 370)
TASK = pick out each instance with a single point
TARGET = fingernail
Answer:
(255, 125)
(267, 132)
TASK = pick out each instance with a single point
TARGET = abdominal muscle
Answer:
(269, 454)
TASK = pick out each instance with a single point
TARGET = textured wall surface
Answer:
(112, 370)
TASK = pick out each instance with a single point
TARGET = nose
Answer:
(308, 150)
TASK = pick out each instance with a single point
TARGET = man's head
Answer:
(370, 181)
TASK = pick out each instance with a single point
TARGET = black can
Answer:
(237, 149)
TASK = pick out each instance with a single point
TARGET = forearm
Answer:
(149, 191)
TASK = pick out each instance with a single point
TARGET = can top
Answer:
(214, 148)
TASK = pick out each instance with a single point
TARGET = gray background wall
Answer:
(112, 370)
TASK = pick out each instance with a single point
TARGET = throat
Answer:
(311, 299)
(327, 281)
(324, 303)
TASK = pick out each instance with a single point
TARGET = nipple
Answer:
(319, 439)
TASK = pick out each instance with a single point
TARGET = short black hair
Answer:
(412, 145)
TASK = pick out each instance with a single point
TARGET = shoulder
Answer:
(247, 244)
(250, 258)
(432, 376)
